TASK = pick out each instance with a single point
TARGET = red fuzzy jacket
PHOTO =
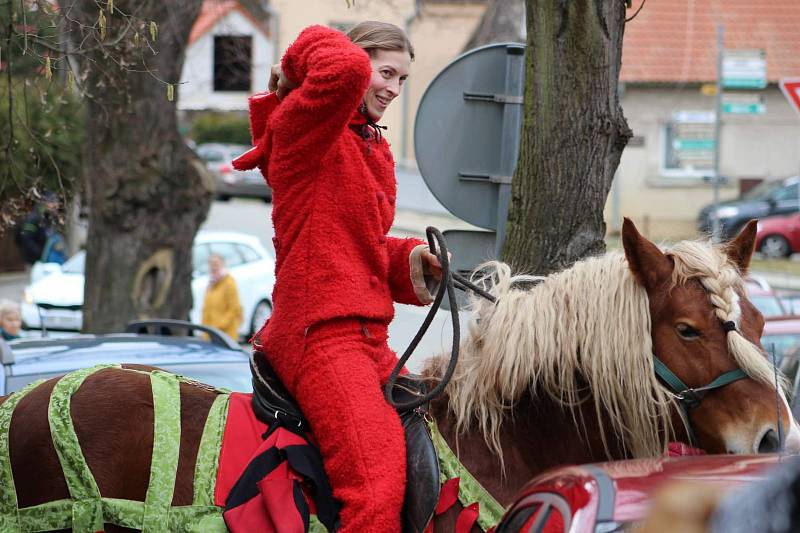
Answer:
(334, 192)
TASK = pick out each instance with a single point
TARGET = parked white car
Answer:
(56, 297)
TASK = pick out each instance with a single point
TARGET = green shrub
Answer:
(221, 128)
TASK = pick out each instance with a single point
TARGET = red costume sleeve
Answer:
(400, 270)
(261, 105)
(332, 75)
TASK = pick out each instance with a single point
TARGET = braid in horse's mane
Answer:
(723, 281)
(590, 322)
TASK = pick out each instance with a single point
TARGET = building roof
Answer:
(213, 11)
(673, 41)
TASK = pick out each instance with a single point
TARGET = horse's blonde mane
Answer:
(590, 322)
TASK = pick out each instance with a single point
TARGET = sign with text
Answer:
(690, 141)
(744, 69)
(743, 103)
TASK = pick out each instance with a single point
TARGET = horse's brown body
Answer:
(113, 417)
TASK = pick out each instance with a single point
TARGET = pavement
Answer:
(11, 285)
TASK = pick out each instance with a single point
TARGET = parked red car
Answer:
(779, 236)
(613, 496)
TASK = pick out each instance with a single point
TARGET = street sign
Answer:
(690, 138)
(699, 117)
(791, 89)
(693, 144)
(743, 103)
(744, 69)
(466, 133)
(469, 249)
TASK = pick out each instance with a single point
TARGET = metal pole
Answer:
(716, 229)
(509, 141)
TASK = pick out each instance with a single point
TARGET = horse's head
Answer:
(703, 329)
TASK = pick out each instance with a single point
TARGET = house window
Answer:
(233, 59)
(689, 145)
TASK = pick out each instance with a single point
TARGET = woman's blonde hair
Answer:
(372, 35)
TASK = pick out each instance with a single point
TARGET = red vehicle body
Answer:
(606, 497)
(779, 236)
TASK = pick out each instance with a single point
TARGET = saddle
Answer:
(271, 402)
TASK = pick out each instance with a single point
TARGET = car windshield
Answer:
(768, 305)
(780, 344)
(762, 190)
(75, 264)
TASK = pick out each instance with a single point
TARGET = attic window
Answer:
(233, 60)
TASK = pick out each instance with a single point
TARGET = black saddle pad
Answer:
(271, 402)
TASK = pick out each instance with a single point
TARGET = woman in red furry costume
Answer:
(338, 272)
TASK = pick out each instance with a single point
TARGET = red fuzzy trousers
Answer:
(337, 381)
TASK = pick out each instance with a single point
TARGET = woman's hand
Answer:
(430, 264)
(279, 83)
(426, 272)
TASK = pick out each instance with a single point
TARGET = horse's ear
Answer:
(648, 264)
(741, 249)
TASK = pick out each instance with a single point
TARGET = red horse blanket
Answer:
(270, 478)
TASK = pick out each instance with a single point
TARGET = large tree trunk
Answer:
(573, 133)
(148, 193)
(503, 21)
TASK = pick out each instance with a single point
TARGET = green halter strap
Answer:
(688, 397)
(86, 510)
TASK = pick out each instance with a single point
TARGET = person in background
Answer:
(10, 320)
(32, 233)
(221, 306)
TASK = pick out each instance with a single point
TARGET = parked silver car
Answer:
(230, 182)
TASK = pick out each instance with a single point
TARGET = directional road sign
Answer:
(744, 69)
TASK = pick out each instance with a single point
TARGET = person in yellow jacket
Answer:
(221, 306)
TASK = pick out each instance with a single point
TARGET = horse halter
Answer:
(690, 397)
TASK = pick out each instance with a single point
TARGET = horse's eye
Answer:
(687, 332)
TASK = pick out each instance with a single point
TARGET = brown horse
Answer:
(561, 372)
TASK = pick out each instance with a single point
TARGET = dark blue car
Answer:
(768, 198)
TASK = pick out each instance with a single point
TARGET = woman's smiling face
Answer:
(389, 72)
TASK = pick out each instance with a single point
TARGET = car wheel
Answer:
(223, 198)
(261, 313)
(775, 246)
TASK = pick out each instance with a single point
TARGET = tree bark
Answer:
(503, 21)
(148, 192)
(573, 133)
